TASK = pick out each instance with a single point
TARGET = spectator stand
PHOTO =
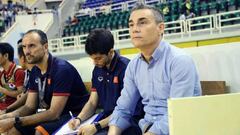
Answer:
(207, 25)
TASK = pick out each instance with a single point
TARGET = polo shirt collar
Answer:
(50, 59)
(114, 61)
(157, 53)
(10, 70)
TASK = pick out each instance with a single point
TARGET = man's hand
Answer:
(5, 116)
(87, 130)
(6, 124)
(114, 130)
(19, 96)
(1, 89)
(74, 123)
(2, 112)
(148, 133)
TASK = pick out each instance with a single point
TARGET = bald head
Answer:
(41, 35)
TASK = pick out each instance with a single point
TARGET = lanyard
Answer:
(41, 89)
(26, 78)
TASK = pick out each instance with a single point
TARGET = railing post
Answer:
(76, 45)
(115, 36)
(182, 27)
(211, 23)
(219, 23)
(189, 28)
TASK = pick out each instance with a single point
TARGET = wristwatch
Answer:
(17, 121)
(97, 126)
(79, 119)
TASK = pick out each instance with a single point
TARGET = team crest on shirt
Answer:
(100, 78)
(12, 86)
(36, 80)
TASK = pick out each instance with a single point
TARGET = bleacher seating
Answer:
(115, 20)
(27, 3)
(119, 19)
(97, 3)
(8, 12)
(208, 87)
(213, 87)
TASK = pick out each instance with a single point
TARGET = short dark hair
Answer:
(20, 51)
(20, 48)
(158, 15)
(6, 48)
(99, 41)
(42, 35)
(19, 41)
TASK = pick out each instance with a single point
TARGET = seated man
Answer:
(107, 83)
(11, 78)
(159, 72)
(55, 88)
(21, 98)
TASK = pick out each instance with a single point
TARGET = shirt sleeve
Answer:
(94, 87)
(184, 76)
(126, 103)
(19, 77)
(63, 81)
(32, 84)
(184, 80)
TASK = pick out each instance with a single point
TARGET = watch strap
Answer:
(97, 126)
(17, 120)
(79, 119)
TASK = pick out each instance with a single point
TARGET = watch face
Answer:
(17, 120)
(98, 126)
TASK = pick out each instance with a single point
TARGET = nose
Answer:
(26, 51)
(135, 28)
(95, 62)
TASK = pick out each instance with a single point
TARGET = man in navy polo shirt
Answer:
(107, 83)
(55, 88)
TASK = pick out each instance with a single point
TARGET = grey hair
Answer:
(156, 12)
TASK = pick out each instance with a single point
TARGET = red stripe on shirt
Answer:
(93, 89)
(61, 94)
(34, 91)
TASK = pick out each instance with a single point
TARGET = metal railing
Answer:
(179, 28)
(126, 5)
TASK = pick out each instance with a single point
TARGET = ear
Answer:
(161, 28)
(5, 56)
(46, 47)
(24, 59)
(111, 52)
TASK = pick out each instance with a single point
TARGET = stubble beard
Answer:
(35, 59)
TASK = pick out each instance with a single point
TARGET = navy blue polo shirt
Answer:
(108, 83)
(62, 80)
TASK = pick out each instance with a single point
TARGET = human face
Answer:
(144, 30)
(33, 49)
(101, 60)
(3, 59)
(22, 62)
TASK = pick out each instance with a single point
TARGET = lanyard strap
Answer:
(42, 86)
(41, 91)
(26, 78)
